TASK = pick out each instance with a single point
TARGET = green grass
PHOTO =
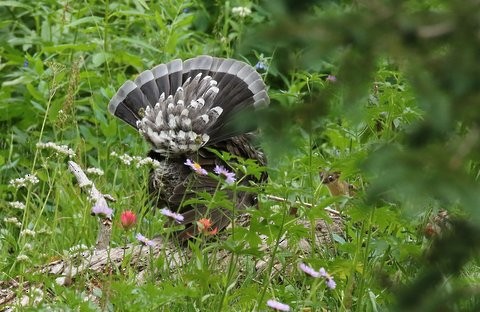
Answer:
(61, 62)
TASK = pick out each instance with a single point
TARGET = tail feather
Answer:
(175, 71)
(181, 106)
(146, 82)
(202, 64)
(160, 72)
(127, 103)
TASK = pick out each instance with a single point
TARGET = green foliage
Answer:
(399, 121)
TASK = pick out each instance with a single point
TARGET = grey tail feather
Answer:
(240, 90)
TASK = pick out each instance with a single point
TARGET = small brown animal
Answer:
(335, 185)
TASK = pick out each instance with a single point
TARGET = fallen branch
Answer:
(297, 203)
(105, 224)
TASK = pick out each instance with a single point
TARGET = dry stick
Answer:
(284, 200)
(105, 224)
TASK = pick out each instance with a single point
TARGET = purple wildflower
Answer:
(196, 167)
(330, 282)
(308, 270)
(331, 78)
(322, 272)
(176, 216)
(142, 239)
(229, 176)
(278, 305)
(25, 63)
(101, 209)
(328, 278)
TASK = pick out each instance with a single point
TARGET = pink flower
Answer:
(229, 176)
(278, 305)
(101, 209)
(128, 219)
(196, 167)
(176, 216)
(142, 239)
(310, 271)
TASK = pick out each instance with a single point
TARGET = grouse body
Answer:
(182, 108)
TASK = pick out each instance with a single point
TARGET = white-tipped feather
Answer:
(122, 93)
(194, 105)
(261, 99)
(225, 65)
(210, 94)
(245, 72)
(162, 98)
(203, 62)
(160, 71)
(143, 78)
(251, 78)
(204, 118)
(170, 108)
(175, 66)
(236, 67)
(256, 86)
(171, 122)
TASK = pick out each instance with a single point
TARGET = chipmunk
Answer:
(335, 185)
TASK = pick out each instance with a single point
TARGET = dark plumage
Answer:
(183, 107)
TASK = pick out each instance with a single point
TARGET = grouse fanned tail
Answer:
(180, 108)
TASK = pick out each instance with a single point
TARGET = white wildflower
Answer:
(45, 231)
(37, 295)
(139, 161)
(13, 220)
(22, 257)
(96, 171)
(17, 205)
(126, 159)
(77, 248)
(36, 291)
(28, 246)
(59, 149)
(10, 220)
(28, 232)
(148, 161)
(25, 181)
(241, 11)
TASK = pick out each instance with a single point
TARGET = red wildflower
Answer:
(128, 219)
(205, 227)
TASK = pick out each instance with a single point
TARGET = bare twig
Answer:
(105, 224)
(284, 200)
